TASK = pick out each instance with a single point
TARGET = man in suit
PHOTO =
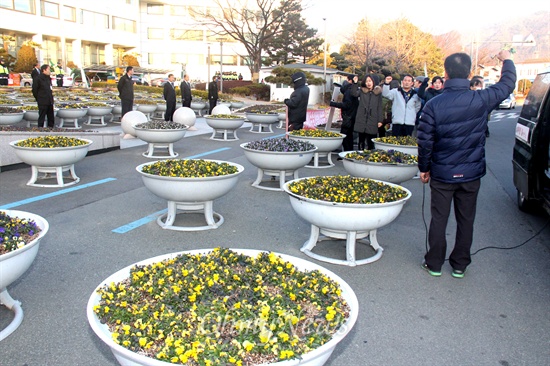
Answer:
(35, 71)
(42, 92)
(126, 91)
(186, 96)
(169, 94)
(212, 94)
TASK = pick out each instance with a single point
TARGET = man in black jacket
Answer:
(185, 88)
(126, 91)
(169, 94)
(42, 92)
(212, 94)
(348, 106)
(35, 71)
(297, 103)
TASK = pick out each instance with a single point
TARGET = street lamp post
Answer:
(208, 61)
(325, 61)
(221, 64)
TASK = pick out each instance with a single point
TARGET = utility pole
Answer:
(325, 61)
(221, 64)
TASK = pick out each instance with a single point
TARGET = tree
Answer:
(408, 50)
(282, 75)
(363, 46)
(253, 25)
(26, 59)
(295, 41)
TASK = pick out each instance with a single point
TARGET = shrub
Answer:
(26, 59)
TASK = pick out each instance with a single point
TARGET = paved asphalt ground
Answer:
(497, 315)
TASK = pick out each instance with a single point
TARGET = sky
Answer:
(432, 16)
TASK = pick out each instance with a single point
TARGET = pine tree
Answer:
(26, 59)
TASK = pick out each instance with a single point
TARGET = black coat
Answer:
(297, 103)
(125, 88)
(169, 93)
(212, 90)
(42, 90)
(34, 73)
(186, 92)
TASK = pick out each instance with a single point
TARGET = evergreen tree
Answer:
(26, 59)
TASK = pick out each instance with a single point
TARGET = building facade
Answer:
(160, 34)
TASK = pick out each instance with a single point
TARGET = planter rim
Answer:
(277, 152)
(317, 138)
(185, 127)
(302, 264)
(28, 215)
(240, 168)
(388, 144)
(221, 118)
(13, 144)
(363, 205)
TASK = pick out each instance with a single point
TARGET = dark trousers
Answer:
(401, 130)
(464, 197)
(170, 109)
(212, 103)
(347, 143)
(59, 81)
(186, 103)
(127, 106)
(43, 112)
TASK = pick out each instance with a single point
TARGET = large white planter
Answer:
(276, 164)
(98, 113)
(411, 150)
(51, 161)
(190, 195)
(160, 139)
(237, 105)
(11, 118)
(117, 113)
(198, 106)
(14, 264)
(393, 173)
(261, 121)
(317, 357)
(325, 146)
(71, 115)
(344, 221)
(224, 126)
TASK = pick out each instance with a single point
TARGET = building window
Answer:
(187, 59)
(26, 6)
(122, 24)
(155, 33)
(178, 10)
(69, 13)
(155, 58)
(95, 19)
(50, 10)
(155, 9)
(227, 59)
(186, 34)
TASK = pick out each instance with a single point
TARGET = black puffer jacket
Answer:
(349, 103)
(370, 111)
(297, 103)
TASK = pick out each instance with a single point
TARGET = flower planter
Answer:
(190, 195)
(198, 106)
(387, 172)
(147, 109)
(51, 160)
(282, 120)
(261, 121)
(276, 164)
(14, 264)
(11, 118)
(117, 113)
(325, 146)
(412, 150)
(224, 126)
(98, 113)
(71, 115)
(316, 357)
(161, 109)
(237, 105)
(160, 139)
(349, 221)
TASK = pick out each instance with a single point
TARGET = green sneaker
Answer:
(427, 269)
(457, 273)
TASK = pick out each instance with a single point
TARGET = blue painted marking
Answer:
(208, 153)
(53, 194)
(125, 228)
